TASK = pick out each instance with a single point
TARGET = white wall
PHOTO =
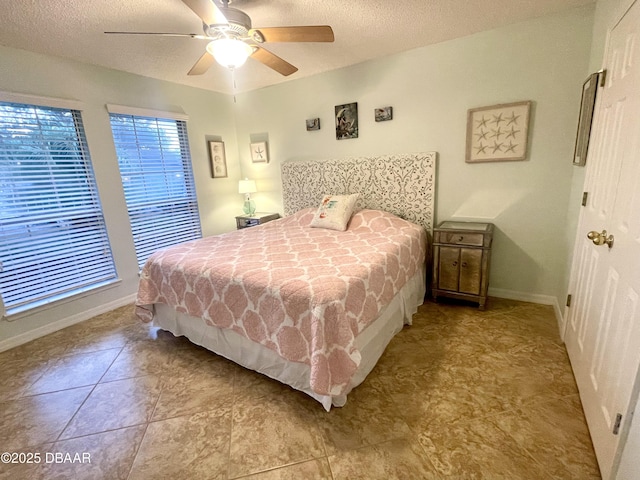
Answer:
(544, 60)
(210, 114)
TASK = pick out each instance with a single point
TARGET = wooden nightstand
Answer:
(258, 218)
(461, 254)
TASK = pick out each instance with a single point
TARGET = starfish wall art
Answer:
(498, 133)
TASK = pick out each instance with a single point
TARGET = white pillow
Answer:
(335, 211)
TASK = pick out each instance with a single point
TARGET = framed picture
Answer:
(383, 114)
(498, 133)
(259, 152)
(313, 124)
(218, 159)
(346, 121)
(589, 91)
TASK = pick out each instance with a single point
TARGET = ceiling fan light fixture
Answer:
(230, 52)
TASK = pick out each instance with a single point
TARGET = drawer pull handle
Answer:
(455, 264)
(461, 238)
(464, 264)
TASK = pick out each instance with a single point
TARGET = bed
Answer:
(311, 307)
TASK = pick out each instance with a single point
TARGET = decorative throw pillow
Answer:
(335, 211)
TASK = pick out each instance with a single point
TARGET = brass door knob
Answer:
(600, 238)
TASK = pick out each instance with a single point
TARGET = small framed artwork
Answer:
(498, 133)
(383, 114)
(346, 121)
(313, 124)
(259, 152)
(218, 159)
(587, 104)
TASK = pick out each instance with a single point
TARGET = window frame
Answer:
(184, 208)
(85, 191)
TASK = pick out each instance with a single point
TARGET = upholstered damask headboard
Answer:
(400, 184)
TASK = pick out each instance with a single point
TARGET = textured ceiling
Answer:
(364, 29)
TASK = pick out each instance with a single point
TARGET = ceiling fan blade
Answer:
(207, 11)
(202, 65)
(163, 34)
(273, 61)
(313, 33)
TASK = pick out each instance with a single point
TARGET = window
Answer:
(53, 239)
(155, 165)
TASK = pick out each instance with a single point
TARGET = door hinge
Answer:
(568, 304)
(603, 77)
(616, 425)
(584, 198)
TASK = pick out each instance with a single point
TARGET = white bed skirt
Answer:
(371, 342)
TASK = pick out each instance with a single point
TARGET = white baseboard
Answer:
(65, 322)
(530, 297)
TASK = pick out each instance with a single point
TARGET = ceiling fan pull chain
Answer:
(233, 83)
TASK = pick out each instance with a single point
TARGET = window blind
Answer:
(53, 239)
(155, 166)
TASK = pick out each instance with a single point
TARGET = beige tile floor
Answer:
(460, 394)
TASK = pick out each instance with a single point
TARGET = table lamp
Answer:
(247, 187)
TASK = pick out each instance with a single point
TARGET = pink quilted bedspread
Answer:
(303, 292)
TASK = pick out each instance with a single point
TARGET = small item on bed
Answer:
(335, 211)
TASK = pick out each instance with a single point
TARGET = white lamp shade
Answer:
(247, 186)
(229, 52)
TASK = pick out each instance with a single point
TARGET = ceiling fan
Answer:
(233, 40)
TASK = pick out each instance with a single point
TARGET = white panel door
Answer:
(603, 328)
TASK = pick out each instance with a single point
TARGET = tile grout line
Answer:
(135, 456)
(146, 427)
(87, 397)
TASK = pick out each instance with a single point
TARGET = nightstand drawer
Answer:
(459, 238)
(246, 221)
